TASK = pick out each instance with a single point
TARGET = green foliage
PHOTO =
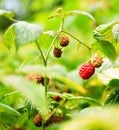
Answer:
(106, 48)
(22, 33)
(8, 14)
(104, 31)
(33, 92)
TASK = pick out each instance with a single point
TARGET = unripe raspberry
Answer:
(56, 98)
(57, 119)
(97, 62)
(57, 52)
(37, 120)
(86, 71)
(64, 41)
(38, 78)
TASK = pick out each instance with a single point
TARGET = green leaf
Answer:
(9, 37)
(106, 48)
(26, 33)
(34, 93)
(8, 14)
(115, 32)
(8, 109)
(22, 33)
(74, 101)
(71, 13)
(104, 31)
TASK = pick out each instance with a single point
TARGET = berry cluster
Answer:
(88, 69)
(64, 41)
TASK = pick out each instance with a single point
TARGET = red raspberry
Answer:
(57, 52)
(86, 71)
(56, 98)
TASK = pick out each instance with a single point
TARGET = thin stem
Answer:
(43, 57)
(79, 41)
(8, 94)
(13, 20)
(65, 100)
(48, 52)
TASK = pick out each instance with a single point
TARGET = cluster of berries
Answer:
(88, 69)
(54, 119)
(64, 41)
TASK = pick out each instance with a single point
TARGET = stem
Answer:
(43, 57)
(79, 41)
(48, 52)
(13, 20)
(65, 100)
(8, 94)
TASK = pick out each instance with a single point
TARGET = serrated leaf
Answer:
(115, 32)
(106, 48)
(26, 33)
(8, 14)
(22, 33)
(71, 13)
(104, 31)
(33, 92)
(9, 37)
(114, 83)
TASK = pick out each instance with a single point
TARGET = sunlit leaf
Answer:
(9, 37)
(33, 92)
(106, 48)
(104, 31)
(8, 14)
(115, 32)
(26, 33)
(22, 33)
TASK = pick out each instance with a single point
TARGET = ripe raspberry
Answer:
(86, 71)
(97, 62)
(57, 52)
(64, 41)
(56, 98)
(37, 120)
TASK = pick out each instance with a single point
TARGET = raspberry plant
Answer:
(45, 104)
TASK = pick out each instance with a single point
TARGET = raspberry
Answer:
(64, 41)
(37, 120)
(56, 98)
(86, 71)
(56, 119)
(38, 78)
(57, 52)
(97, 62)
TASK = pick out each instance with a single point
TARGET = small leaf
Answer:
(8, 14)
(71, 13)
(106, 48)
(115, 32)
(104, 31)
(33, 92)
(74, 101)
(114, 83)
(26, 33)
(8, 109)
(9, 37)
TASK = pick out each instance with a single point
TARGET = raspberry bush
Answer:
(63, 77)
